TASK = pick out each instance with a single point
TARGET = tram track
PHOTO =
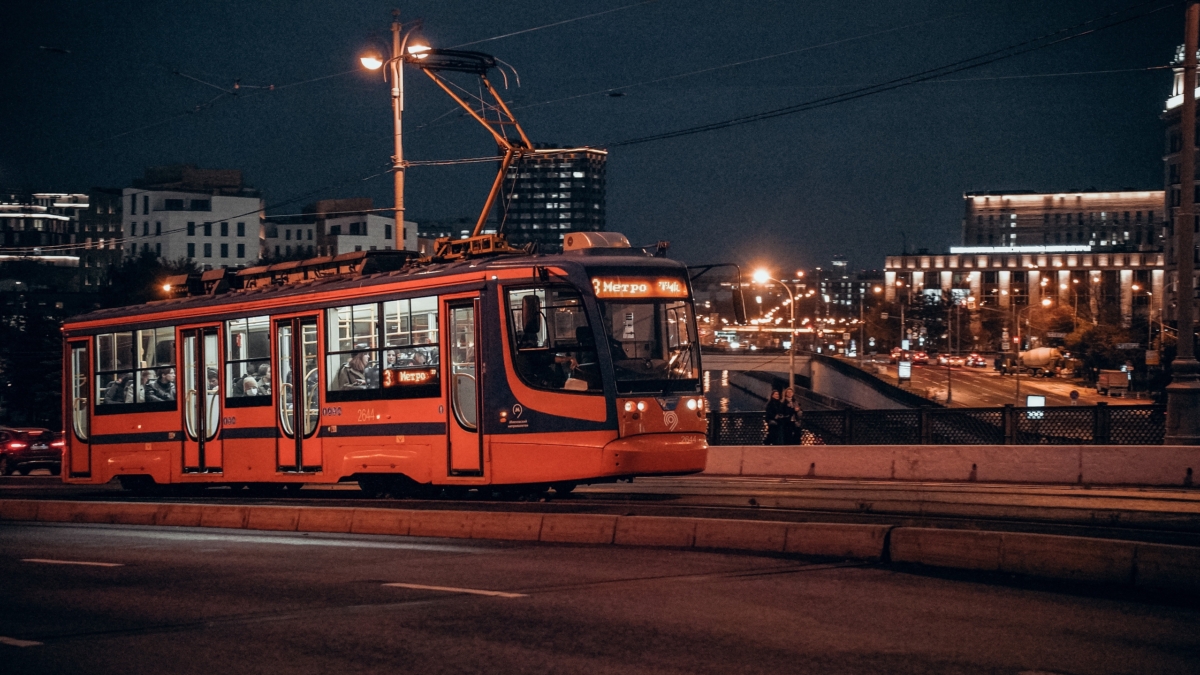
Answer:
(1147, 515)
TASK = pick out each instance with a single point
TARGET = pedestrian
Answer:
(773, 411)
(791, 426)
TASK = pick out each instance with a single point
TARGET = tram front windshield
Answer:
(653, 345)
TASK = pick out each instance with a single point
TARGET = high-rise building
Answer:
(1122, 220)
(1172, 111)
(551, 193)
(207, 216)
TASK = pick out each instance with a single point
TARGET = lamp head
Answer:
(1045, 302)
(371, 59)
(761, 276)
(418, 51)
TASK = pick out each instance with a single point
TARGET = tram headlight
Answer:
(641, 406)
(628, 406)
(691, 404)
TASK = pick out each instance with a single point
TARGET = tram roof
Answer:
(354, 281)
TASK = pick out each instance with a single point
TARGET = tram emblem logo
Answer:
(671, 419)
(518, 409)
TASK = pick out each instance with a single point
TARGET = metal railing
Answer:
(1072, 425)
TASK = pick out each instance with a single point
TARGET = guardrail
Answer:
(1068, 425)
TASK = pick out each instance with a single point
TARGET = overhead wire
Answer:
(1017, 49)
(735, 64)
(552, 25)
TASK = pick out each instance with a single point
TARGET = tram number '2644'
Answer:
(366, 414)
(331, 412)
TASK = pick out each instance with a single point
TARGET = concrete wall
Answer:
(1150, 465)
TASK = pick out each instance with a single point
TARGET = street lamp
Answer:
(862, 322)
(761, 276)
(1046, 302)
(372, 59)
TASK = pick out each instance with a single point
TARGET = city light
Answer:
(761, 276)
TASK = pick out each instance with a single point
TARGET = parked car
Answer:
(24, 449)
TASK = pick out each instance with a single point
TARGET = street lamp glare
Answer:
(371, 60)
(418, 51)
(761, 276)
(1045, 302)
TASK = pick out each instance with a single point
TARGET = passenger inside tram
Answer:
(163, 389)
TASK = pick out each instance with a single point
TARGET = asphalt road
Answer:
(133, 600)
(985, 388)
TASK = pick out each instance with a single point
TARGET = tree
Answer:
(139, 280)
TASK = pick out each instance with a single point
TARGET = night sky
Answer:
(846, 179)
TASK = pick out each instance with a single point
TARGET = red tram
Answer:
(517, 370)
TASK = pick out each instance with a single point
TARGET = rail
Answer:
(1068, 425)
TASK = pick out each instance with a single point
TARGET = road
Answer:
(134, 600)
(985, 388)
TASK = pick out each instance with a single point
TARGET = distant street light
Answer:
(762, 277)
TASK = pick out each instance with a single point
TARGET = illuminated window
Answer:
(396, 357)
(248, 362)
(135, 371)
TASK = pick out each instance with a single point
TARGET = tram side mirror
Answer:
(717, 290)
(739, 305)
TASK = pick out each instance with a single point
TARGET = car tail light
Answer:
(17, 445)
(58, 444)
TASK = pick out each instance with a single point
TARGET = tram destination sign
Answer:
(638, 287)
(393, 377)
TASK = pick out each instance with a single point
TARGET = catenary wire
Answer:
(1033, 44)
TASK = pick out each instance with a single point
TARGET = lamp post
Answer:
(862, 322)
(762, 276)
(1045, 303)
(373, 60)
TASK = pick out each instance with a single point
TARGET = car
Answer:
(976, 361)
(23, 449)
(920, 358)
(950, 360)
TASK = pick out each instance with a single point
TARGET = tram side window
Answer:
(554, 346)
(383, 350)
(135, 370)
(248, 362)
(353, 348)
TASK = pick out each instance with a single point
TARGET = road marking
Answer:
(13, 642)
(71, 562)
(284, 540)
(451, 589)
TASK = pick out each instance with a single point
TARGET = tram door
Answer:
(80, 461)
(462, 372)
(201, 374)
(297, 403)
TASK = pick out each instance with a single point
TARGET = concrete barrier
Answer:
(1149, 465)
(284, 518)
(838, 540)
(655, 531)
(381, 521)
(572, 528)
(1152, 566)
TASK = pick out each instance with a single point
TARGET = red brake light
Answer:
(58, 444)
(17, 445)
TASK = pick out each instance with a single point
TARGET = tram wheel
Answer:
(136, 484)
(375, 487)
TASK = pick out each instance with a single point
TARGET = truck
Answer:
(1037, 362)
(1109, 382)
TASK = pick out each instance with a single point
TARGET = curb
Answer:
(1160, 567)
